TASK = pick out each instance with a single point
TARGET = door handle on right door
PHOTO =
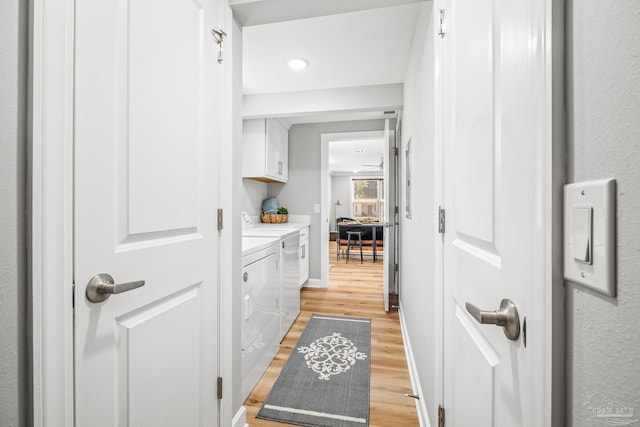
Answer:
(507, 317)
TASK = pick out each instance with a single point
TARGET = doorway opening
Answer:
(358, 186)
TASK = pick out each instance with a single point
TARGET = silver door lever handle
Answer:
(507, 317)
(102, 286)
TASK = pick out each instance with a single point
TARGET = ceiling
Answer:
(351, 157)
(369, 47)
(348, 44)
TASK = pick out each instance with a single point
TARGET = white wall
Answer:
(13, 261)
(340, 190)
(417, 287)
(231, 293)
(253, 193)
(302, 190)
(603, 136)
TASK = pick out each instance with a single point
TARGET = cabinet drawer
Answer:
(304, 233)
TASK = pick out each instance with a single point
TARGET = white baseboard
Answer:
(421, 405)
(315, 283)
(240, 418)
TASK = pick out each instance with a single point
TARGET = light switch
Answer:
(581, 234)
(590, 234)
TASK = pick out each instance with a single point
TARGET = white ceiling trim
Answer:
(258, 12)
(359, 175)
(338, 100)
(338, 117)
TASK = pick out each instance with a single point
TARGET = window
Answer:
(367, 199)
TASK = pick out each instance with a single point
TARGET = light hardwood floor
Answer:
(355, 290)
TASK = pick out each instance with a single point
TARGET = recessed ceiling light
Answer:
(359, 151)
(298, 64)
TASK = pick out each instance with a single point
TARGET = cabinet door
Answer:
(304, 261)
(277, 150)
(272, 167)
(289, 283)
(284, 153)
(264, 150)
(304, 255)
(253, 148)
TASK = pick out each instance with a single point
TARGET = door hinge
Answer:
(395, 151)
(220, 219)
(219, 387)
(73, 295)
(441, 26)
(396, 209)
(219, 35)
(397, 268)
(441, 219)
(440, 416)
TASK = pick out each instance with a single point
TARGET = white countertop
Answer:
(279, 232)
(295, 221)
(283, 225)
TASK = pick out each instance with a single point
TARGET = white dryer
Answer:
(260, 316)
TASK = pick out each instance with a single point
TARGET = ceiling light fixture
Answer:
(298, 64)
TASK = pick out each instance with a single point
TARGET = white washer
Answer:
(289, 302)
(260, 316)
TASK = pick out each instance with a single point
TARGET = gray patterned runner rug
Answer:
(325, 382)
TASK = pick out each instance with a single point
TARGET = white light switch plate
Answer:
(600, 197)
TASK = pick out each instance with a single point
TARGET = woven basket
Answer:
(274, 218)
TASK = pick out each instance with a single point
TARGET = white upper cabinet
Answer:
(265, 150)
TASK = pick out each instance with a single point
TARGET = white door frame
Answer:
(51, 199)
(326, 205)
(229, 243)
(438, 194)
(50, 243)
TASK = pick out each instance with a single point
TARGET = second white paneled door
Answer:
(497, 189)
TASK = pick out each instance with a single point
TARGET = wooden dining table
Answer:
(350, 225)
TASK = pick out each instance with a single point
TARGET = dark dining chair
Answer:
(342, 242)
(379, 241)
(355, 237)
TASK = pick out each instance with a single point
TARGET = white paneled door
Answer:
(389, 220)
(145, 206)
(497, 146)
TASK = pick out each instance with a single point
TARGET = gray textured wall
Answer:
(417, 285)
(603, 126)
(303, 188)
(13, 283)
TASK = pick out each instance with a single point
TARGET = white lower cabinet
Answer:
(289, 303)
